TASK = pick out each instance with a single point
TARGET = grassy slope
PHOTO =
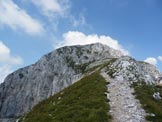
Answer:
(144, 93)
(84, 101)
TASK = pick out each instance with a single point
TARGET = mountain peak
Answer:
(53, 72)
(26, 87)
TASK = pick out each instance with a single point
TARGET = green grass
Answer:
(144, 93)
(84, 101)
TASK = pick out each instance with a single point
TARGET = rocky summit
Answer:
(24, 90)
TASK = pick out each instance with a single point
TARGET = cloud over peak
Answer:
(160, 58)
(151, 60)
(6, 57)
(4, 71)
(79, 38)
(154, 60)
(7, 61)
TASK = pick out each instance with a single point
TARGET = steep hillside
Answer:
(84, 101)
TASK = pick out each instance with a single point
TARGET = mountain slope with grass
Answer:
(84, 101)
(83, 84)
(104, 96)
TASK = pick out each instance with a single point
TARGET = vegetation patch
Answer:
(70, 61)
(79, 52)
(77, 67)
(21, 75)
(84, 101)
(152, 106)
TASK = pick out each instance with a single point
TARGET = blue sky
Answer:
(30, 28)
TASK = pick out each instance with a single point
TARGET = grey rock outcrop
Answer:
(26, 87)
(157, 96)
(131, 70)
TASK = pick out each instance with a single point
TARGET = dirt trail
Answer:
(124, 106)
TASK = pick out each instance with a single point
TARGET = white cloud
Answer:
(52, 8)
(4, 71)
(78, 22)
(14, 17)
(79, 38)
(53, 11)
(5, 56)
(7, 61)
(160, 58)
(151, 60)
(57, 9)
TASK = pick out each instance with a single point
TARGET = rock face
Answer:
(26, 87)
(157, 96)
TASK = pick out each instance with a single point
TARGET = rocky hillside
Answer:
(102, 97)
(26, 87)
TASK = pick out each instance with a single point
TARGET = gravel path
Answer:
(124, 106)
